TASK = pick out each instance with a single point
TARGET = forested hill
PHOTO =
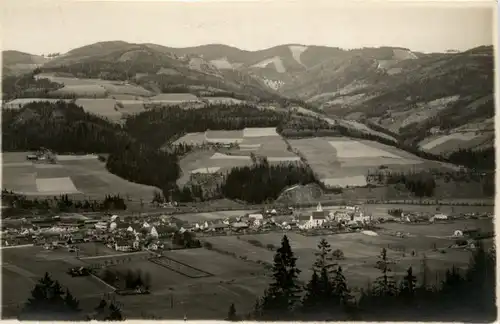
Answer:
(134, 149)
(158, 126)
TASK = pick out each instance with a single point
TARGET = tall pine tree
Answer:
(408, 286)
(385, 285)
(283, 293)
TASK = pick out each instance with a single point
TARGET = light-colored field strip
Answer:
(297, 50)
(18, 270)
(47, 166)
(259, 132)
(355, 149)
(17, 164)
(64, 184)
(283, 159)
(445, 138)
(76, 157)
(250, 146)
(370, 162)
(220, 156)
(206, 170)
(114, 255)
(224, 140)
(354, 181)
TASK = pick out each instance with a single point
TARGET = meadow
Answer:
(23, 267)
(345, 162)
(174, 295)
(361, 250)
(85, 176)
(258, 141)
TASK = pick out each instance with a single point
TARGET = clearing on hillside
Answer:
(343, 162)
(101, 107)
(86, 90)
(77, 175)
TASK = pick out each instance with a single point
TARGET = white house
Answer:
(154, 232)
(440, 216)
(256, 216)
(112, 226)
(458, 233)
(101, 225)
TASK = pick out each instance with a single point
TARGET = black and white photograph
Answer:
(248, 161)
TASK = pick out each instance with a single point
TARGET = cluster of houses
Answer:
(130, 234)
(296, 219)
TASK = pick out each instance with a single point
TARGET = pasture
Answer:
(23, 267)
(173, 294)
(262, 142)
(101, 107)
(360, 250)
(215, 263)
(344, 162)
(85, 176)
(81, 91)
(125, 89)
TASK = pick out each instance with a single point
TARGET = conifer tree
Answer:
(312, 297)
(115, 313)
(341, 291)
(48, 300)
(408, 285)
(71, 302)
(385, 285)
(282, 295)
(231, 314)
(323, 268)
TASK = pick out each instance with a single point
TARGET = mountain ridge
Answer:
(390, 88)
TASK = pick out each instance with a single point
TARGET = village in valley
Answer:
(322, 173)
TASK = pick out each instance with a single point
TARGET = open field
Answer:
(161, 277)
(343, 161)
(83, 175)
(84, 90)
(234, 281)
(259, 141)
(439, 144)
(93, 249)
(361, 250)
(125, 89)
(101, 107)
(215, 263)
(174, 97)
(22, 267)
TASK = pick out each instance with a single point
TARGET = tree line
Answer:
(18, 204)
(327, 295)
(49, 301)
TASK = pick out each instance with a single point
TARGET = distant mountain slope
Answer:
(439, 102)
(155, 67)
(15, 62)
(415, 97)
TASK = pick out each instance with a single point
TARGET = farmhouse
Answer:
(217, 227)
(239, 225)
(256, 216)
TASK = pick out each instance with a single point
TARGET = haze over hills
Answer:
(392, 89)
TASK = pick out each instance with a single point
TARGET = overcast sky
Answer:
(45, 26)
